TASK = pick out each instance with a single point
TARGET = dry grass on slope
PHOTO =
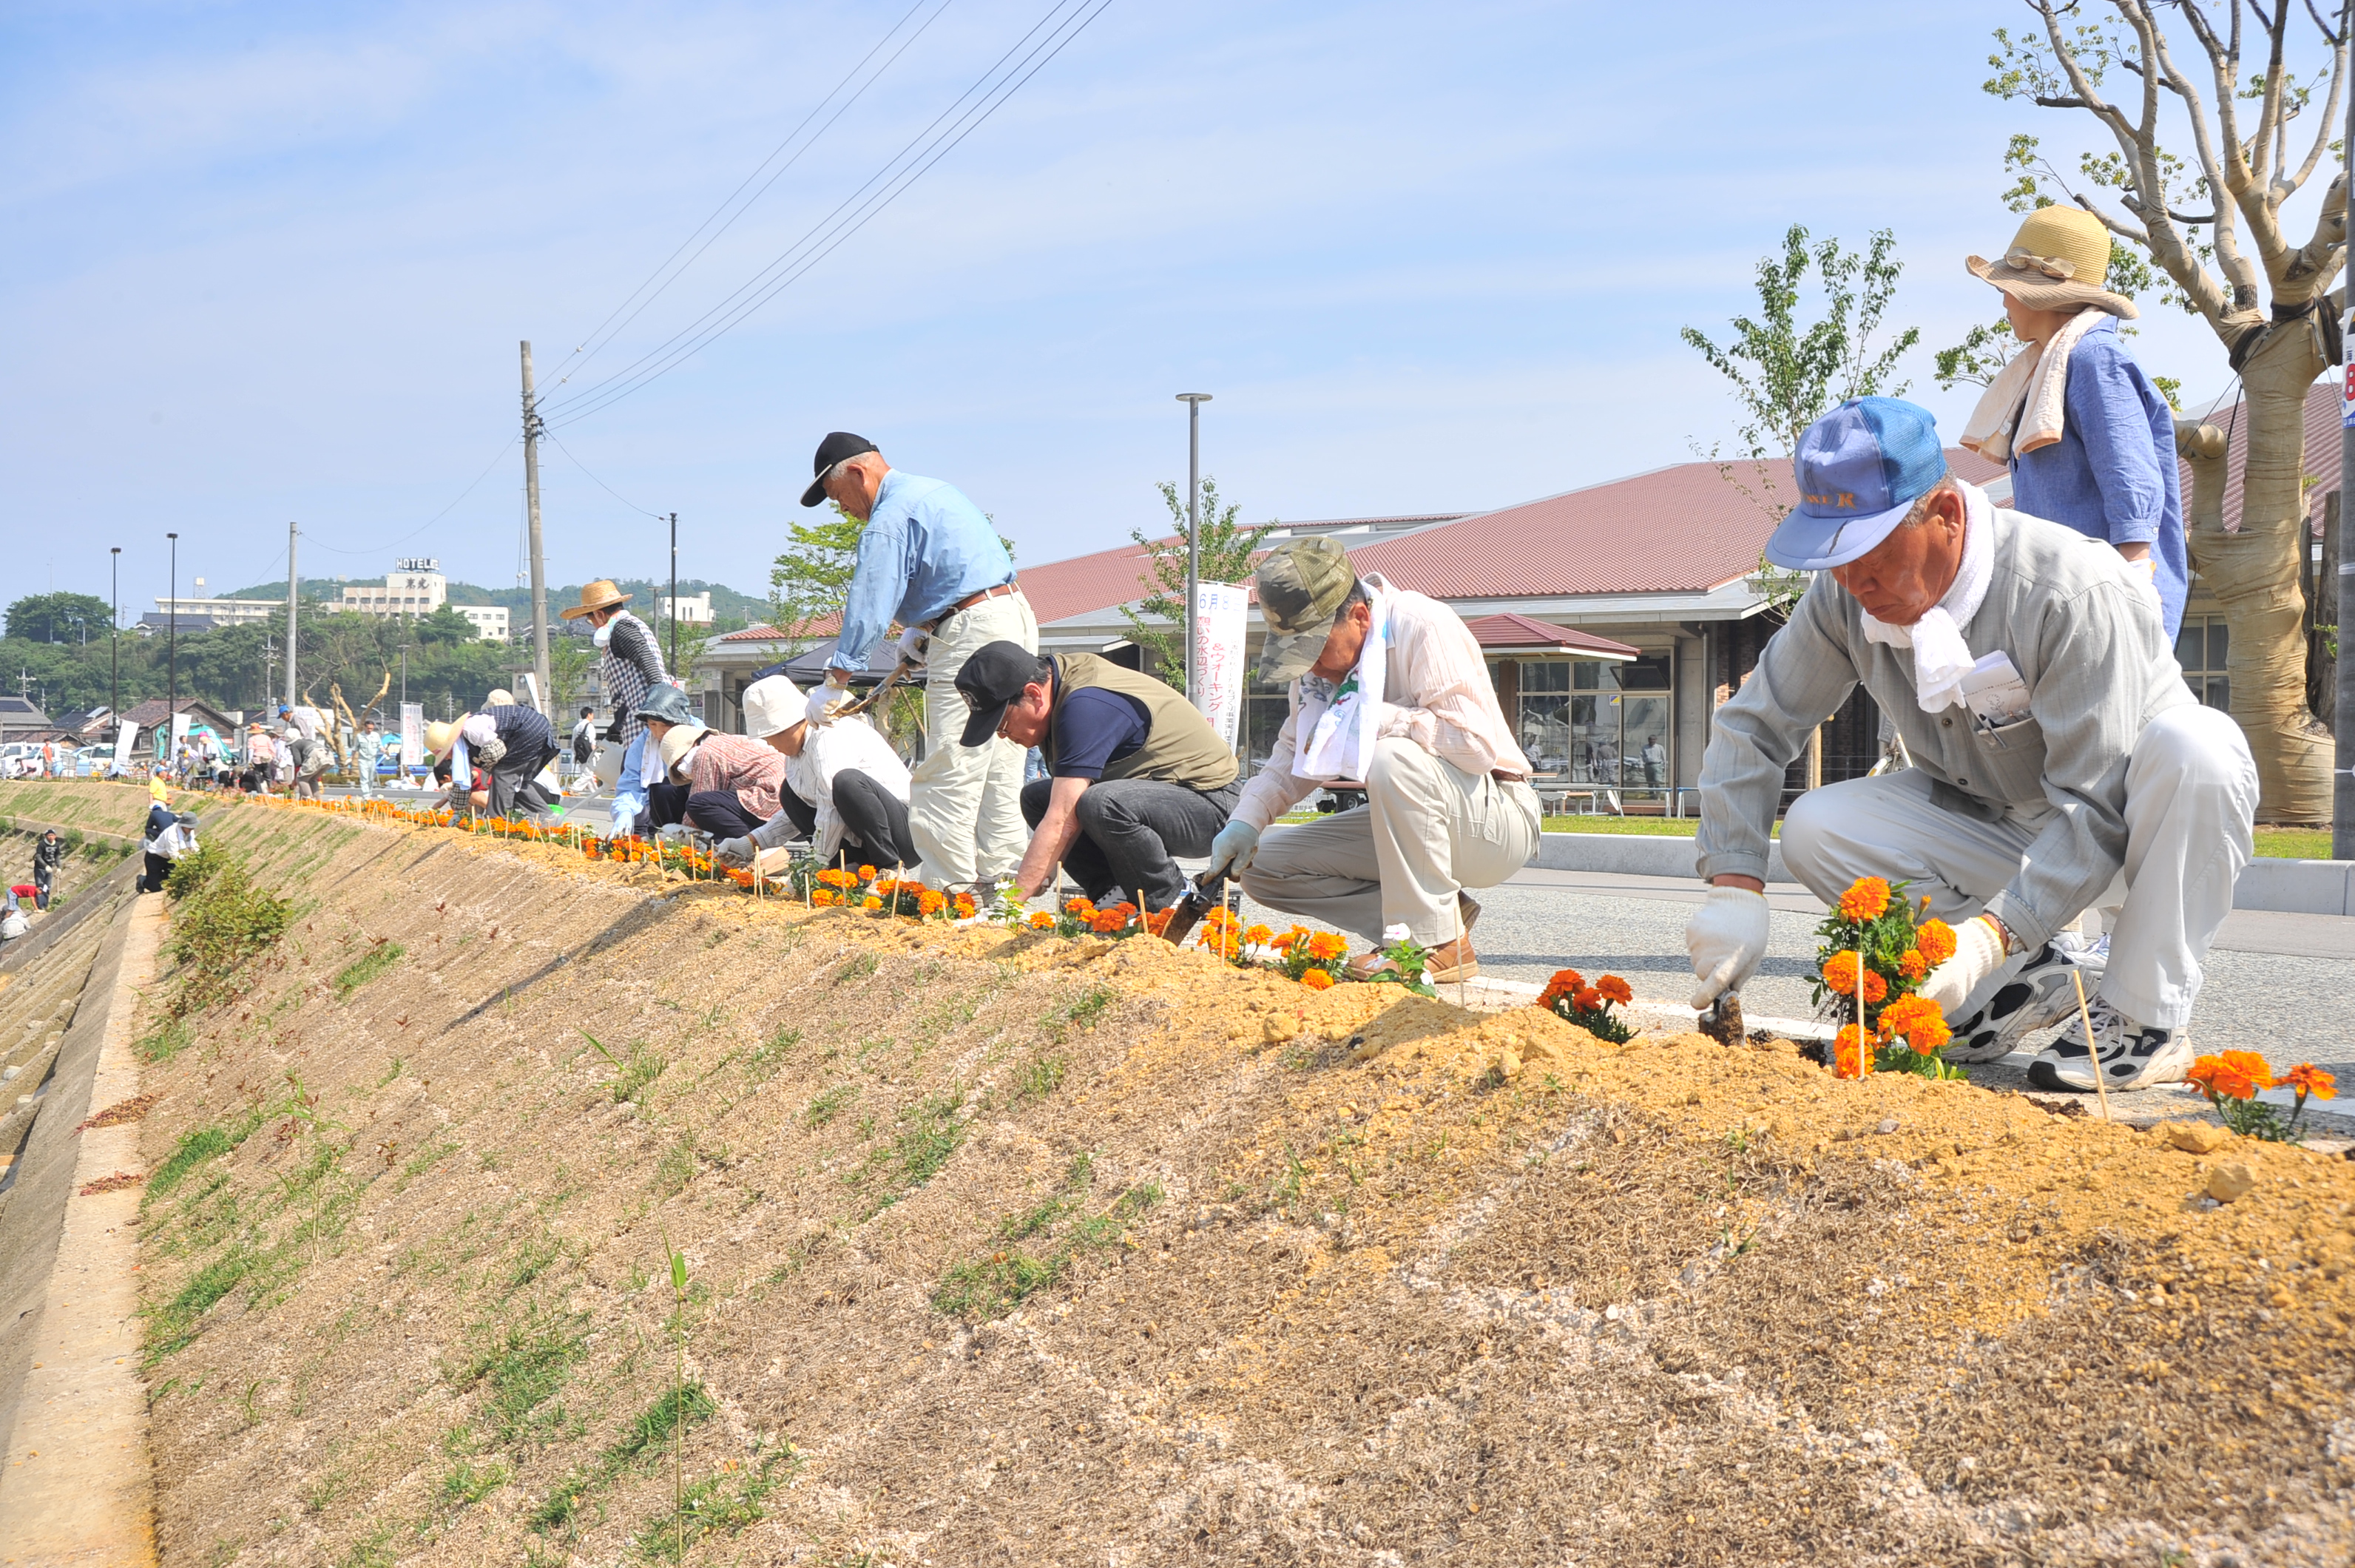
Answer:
(1011, 1250)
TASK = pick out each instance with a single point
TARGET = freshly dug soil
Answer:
(1006, 1249)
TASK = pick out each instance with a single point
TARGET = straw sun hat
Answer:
(676, 741)
(602, 594)
(2058, 261)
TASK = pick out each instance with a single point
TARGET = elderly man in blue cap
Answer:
(2056, 752)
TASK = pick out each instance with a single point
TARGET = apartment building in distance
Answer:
(416, 586)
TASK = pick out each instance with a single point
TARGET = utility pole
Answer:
(1193, 401)
(172, 648)
(290, 596)
(114, 640)
(673, 664)
(531, 427)
(404, 675)
(2340, 593)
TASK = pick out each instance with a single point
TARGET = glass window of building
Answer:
(2200, 648)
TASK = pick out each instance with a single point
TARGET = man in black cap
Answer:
(1135, 773)
(930, 560)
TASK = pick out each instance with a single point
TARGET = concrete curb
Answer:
(78, 1481)
(2287, 887)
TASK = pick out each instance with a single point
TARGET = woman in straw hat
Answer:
(2089, 439)
(630, 661)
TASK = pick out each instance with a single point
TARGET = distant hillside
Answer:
(726, 604)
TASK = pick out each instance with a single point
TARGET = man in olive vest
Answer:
(1134, 773)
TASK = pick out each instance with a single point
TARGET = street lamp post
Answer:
(114, 640)
(1193, 401)
(172, 649)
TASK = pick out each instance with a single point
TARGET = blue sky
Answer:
(273, 261)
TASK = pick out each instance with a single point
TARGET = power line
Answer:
(600, 337)
(948, 129)
(600, 484)
(379, 549)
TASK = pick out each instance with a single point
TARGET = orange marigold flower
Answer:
(966, 906)
(826, 898)
(870, 902)
(1257, 936)
(1911, 965)
(1587, 999)
(2213, 1077)
(929, 902)
(1934, 940)
(2308, 1079)
(1325, 946)
(1847, 1052)
(1078, 906)
(1158, 921)
(2250, 1066)
(833, 878)
(866, 873)
(1317, 979)
(1866, 899)
(1613, 988)
(1566, 980)
(1041, 920)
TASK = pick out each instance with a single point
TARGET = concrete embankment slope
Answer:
(1006, 1249)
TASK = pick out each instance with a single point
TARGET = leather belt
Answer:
(968, 602)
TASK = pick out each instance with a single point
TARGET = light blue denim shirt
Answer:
(924, 548)
(2112, 474)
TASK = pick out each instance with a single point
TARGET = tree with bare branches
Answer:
(2215, 228)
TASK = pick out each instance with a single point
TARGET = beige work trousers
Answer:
(1428, 829)
(964, 808)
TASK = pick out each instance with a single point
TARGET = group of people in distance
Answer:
(2071, 809)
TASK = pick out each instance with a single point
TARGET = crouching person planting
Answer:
(2059, 763)
(843, 787)
(1388, 691)
(1135, 775)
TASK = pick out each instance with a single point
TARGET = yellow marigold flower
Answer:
(1866, 898)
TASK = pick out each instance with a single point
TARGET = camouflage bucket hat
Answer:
(1301, 585)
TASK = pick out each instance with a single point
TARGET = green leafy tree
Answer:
(1156, 620)
(53, 618)
(1787, 374)
(810, 581)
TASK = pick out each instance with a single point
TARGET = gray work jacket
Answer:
(2089, 645)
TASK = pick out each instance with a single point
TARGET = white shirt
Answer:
(830, 749)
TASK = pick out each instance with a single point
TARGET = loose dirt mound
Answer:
(88, 804)
(1013, 1249)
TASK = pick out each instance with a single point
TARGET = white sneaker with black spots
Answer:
(2131, 1055)
(2037, 998)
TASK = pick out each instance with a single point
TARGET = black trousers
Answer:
(874, 820)
(720, 813)
(666, 804)
(158, 867)
(1130, 831)
(512, 788)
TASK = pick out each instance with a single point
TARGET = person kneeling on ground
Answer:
(1388, 689)
(506, 747)
(1134, 773)
(2055, 750)
(731, 780)
(846, 788)
(169, 837)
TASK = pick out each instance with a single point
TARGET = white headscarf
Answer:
(1941, 658)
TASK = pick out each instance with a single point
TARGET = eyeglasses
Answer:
(2054, 267)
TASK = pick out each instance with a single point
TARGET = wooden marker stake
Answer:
(2092, 1057)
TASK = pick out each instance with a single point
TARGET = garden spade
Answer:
(1201, 895)
(1721, 1020)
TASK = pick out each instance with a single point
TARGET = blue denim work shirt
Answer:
(924, 548)
(2113, 475)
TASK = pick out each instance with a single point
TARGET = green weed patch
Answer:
(367, 967)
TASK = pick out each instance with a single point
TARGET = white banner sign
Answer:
(1219, 612)
(125, 738)
(412, 737)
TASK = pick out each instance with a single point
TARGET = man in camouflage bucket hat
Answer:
(1388, 693)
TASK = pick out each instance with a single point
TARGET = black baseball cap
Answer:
(836, 446)
(993, 677)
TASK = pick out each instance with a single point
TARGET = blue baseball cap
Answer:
(1859, 469)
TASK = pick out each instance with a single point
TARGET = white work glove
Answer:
(733, 851)
(1726, 939)
(1232, 849)
(824, 698)
(1978, 953)
(915, 642)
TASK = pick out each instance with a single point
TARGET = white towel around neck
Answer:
(1941, 658)
(2026, 406)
